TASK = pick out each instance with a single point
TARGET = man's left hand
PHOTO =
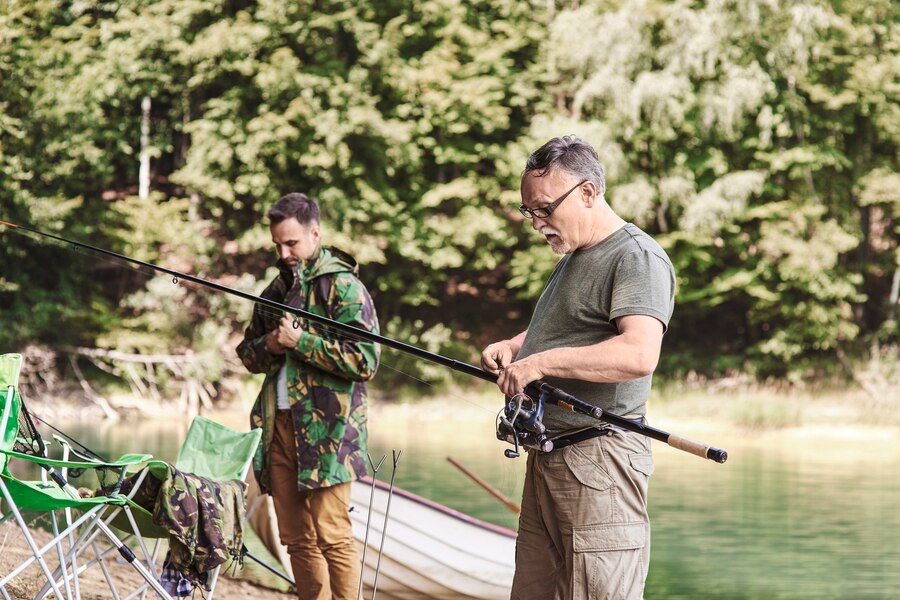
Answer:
(515, 376)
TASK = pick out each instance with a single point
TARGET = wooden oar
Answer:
(490, 489)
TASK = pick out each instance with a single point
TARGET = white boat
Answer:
(430, 551)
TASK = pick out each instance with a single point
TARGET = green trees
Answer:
(743, 133)
(758, 140)
(392, 117)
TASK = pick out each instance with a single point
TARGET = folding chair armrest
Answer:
(125, 460)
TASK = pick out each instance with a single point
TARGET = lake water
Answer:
(807, 514)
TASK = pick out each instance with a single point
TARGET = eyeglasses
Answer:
(545, 211)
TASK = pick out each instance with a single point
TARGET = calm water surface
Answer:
(791, 515)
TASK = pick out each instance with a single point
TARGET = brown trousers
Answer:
(584, 533)
(314, 525)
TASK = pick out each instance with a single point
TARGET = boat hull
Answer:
(422, 550)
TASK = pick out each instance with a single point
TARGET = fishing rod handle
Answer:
(697, 448)
(570, 402)
(566, 400)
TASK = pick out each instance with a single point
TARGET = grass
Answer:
(749, 405)
(766, 414)
(738, 402)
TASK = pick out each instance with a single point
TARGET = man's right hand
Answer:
(497, 355)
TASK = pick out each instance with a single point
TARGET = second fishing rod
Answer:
(536, 389)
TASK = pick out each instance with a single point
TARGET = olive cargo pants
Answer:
(584, 533)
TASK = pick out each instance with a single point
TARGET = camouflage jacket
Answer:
(203, 518)
(326, 371)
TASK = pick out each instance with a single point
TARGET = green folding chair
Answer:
(216, 452)
(210, 450)
(219, 453)
(21, 442)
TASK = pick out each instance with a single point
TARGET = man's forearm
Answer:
(612, 361)
(632, 354)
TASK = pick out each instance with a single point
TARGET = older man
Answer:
(596, 332)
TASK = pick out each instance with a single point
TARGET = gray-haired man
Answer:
(596, 332)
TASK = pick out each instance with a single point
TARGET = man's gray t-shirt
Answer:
(625, 274)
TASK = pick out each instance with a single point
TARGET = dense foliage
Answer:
(757, 139)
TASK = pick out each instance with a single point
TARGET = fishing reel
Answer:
(520, 423)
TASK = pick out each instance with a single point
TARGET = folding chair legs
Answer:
(87, 538)
(105, 571)
(37, 553)
(129, 556)
(78, 569)
(62, 573)
(61, 556)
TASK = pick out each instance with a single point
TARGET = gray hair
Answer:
(570, 154)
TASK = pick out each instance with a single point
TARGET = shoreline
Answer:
(752, 410)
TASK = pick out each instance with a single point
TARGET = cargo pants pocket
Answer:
(608, 561)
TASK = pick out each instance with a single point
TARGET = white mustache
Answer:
(549, 231)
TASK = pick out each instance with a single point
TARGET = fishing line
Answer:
(540, 390)
(202, 291)
(120, 262)
(84, 448)
(434, 386)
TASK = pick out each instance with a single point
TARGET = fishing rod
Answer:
(85, 453)
(533, 434)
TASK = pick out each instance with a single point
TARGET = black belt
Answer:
(574, 438)
(588, 434)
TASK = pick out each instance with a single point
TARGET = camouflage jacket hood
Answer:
(327, 261)
(326, 372)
